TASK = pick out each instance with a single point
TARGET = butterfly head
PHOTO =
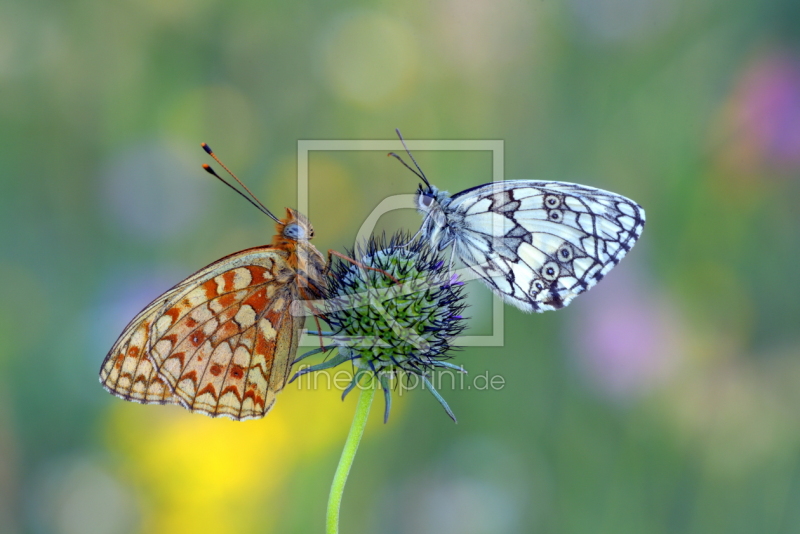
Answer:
(295, 227)
(293, 235)
(292, 231)
(429, 199)
(433, 205)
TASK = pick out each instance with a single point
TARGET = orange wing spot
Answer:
(132, 352)
(197, 338)
(257, 274)
(258, 400)
(265, 348)
(235, 391)
(180, 356)
(174, 313)
(191, 375)
(227, 300)
(228, 281)
(190, 323)
(208, 389)
(257, 300)
(215, 370)
(237, 371)
(210, 288)
(252, 385)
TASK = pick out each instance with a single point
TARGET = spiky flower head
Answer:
(397, 312)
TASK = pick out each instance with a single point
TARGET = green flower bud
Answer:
(389, 328)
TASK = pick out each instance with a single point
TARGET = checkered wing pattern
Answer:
(540, 244)
(220, 343)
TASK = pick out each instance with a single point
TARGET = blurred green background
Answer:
(664, 400)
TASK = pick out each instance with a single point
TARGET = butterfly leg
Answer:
(316, 320)
(319, 331)
(413, 238)
(332, 252)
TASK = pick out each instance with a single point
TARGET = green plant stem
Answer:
(348, 454)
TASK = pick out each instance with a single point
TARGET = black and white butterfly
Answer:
(536, 244)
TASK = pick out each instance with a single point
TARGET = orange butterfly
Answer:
(222, 342)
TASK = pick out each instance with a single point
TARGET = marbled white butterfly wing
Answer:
(540, 244)
(536, 244)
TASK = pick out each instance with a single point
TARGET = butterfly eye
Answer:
(294, 231)
(426, 201)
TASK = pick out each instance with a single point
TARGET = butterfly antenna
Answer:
(254, 198)
(213, 173)
(406, 165)
(410, 155)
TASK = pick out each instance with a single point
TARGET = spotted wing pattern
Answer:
(540, 244)
(127, 372)
(220, 343)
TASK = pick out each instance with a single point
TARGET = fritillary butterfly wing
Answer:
(128, 373)
(222, 342)
(217, 345)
